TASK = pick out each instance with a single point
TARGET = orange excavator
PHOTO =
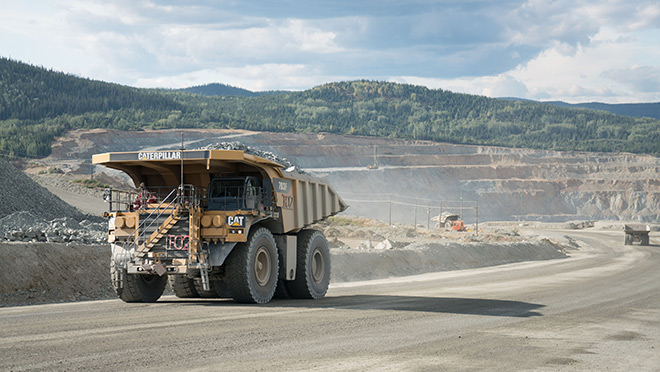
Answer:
(458, 226)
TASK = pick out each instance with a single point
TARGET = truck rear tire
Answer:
(217, 289)
(312, 267)
(282, 291)
(628, 240)
(183, 286)
(252, 268)
(136, 287)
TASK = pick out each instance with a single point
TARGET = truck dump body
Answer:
(195, 208)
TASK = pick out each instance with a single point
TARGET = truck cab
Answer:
(245, 193)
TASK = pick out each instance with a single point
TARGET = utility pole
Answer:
(415, 223)
(428, 217)
(390, 219)
(181, 186)
(477, 216)
(461, 205)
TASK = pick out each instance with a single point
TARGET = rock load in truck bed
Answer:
(253, 151)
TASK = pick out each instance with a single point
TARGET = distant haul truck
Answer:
(447, 220)
(216, 223)
(637, 233)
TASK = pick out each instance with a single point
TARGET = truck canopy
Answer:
(163, 168)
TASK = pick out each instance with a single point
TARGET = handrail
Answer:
(180, 198)
(142, 228)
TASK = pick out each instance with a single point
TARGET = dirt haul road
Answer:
(598, 310)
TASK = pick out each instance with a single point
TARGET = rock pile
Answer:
(31, 213)
(26, 227)
(18, 192)
(386, 244)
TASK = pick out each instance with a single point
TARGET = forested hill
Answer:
(38, 104)
(224, 90)
(416, 112)
(32, 93)
(220, 90)
(639, 110)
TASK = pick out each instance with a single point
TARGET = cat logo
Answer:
(236, 221)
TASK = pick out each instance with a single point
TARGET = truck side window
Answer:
(217, 190)
(227, 188)
(250, 189)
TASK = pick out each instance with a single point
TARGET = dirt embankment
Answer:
(419, 258)
(54, 272)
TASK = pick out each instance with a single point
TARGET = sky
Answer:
(568, 50)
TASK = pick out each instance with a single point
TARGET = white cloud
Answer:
(602, 70)
(583, 76)
(647, 16)
(503, 85)
(639, 78)
(308, 38)
(252, 77)
(541, 22)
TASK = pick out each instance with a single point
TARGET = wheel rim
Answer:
(262, 266)
(318, 266)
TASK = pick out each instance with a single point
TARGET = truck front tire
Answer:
(312, 268)
(136, 287)
(252, 268)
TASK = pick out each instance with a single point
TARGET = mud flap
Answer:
(121, 257)
(218, 253)
(287, 247)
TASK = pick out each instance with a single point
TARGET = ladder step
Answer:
(159, 232)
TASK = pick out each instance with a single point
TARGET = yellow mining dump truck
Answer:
(636, 233)
(216, 223)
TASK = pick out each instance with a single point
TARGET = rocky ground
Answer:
(28, 228)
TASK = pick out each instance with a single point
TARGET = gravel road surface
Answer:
(598, 310)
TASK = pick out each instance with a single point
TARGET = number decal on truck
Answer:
(288, 201)
(178, 242)
(284, 188)
(281, 185)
